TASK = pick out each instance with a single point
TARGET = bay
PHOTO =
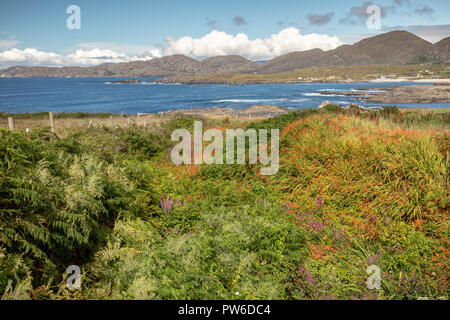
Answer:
(95, 95)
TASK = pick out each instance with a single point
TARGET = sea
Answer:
(99, 95)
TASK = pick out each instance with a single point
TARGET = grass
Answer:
(60, 115)
(330, 73)
(354, 189)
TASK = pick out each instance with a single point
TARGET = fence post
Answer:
(11, 123)
(112, 121)
(52, 122)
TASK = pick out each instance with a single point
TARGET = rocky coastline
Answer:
(400, 94)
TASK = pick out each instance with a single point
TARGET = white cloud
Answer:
(6, 44)
(128, 49)
(81, 57)
(220, 43)
(30, 57)
(213, 44)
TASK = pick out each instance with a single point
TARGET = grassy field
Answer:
(330, 74)
(353, 190)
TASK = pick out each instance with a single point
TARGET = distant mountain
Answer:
(392, 48)
(396, 47)
(228, 64)
(164, 66)
(290, 61)
(441, 50)
(156, 67)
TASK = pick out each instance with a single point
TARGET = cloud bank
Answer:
(220, 43)
(81, 57)
(212, 44)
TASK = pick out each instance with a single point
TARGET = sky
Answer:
(39, 33)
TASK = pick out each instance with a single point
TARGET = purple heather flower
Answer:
(167, 204)
(319, 202)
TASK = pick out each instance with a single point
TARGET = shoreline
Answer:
(436, 93)
(231, 83)
(192, 80)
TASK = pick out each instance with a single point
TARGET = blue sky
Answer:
(130, 27)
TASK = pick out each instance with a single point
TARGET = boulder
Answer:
(127, 81)
(355, 106)
(323, 104)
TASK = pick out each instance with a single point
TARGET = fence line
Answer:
(57, 124)
(11, 123)
(52, 122)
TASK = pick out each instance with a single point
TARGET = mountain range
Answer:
(392, 48)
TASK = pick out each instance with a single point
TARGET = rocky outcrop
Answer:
(403, 94)
(324, 104)
(127, 81)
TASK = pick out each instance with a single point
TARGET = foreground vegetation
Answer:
(354, 189)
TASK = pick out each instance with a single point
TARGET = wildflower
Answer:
(319, 202)
(166, 204)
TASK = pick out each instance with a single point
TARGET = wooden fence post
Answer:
(52, 122)
(112, 121)
(11, 123)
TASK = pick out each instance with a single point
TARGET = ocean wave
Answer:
(300, 100)
(248, 100)
(368, 91)
(312, 94)
(158, 83)
(330, 90)
(340, 102)
(315, 94)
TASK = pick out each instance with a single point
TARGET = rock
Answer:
(127, 81)
(324, 104)
(355, 106)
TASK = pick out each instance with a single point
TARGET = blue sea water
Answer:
(19, 95)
